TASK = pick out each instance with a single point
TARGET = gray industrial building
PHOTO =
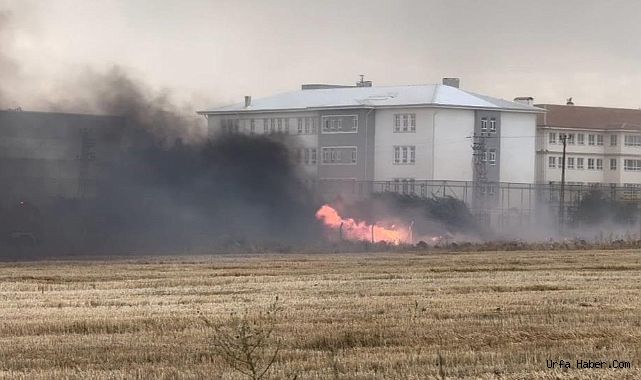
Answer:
(45, 155)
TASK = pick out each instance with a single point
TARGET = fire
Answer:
(353, 230)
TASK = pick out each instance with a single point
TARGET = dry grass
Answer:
(490, 315)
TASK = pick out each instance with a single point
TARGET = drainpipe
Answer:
(433, 140)
(366, 133)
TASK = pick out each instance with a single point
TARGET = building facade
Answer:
(397, 134)
(603, 145)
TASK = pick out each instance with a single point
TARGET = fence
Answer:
(497, 203)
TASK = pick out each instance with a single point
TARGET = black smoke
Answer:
(172, 188)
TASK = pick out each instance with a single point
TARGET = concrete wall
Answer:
(518, 147)
(386, 139)
(452, 145)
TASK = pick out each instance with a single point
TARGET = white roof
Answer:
(435, 95)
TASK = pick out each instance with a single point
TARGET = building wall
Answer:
(518, 147)
(50, 155)
(452, 145)
(607, 151)
(308, 139)
(344, 141)
(387, 139)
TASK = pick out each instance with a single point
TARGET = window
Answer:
(599, 164)
(580, 139)
(280, 125)
(579, 163)
(404, 123)
(306, 155)
(570, 162)
(492, 125)
(314, 156)
(561, 162)
(404, 185)
(314, 125)
(634, 165)
(287, 125)
(252, 126)
(300, 125)
(632, 140)
(613, 140)
(552, 138)
(552, 162)
(569, 138)
(613, 164)
(599, 140)
(307, 125)
(491, 157)
(483, 124)
(344, 155)
(405, 155)
(265, 125)
(590, 163)
(272, 125)
(334, 124)
(591, 140)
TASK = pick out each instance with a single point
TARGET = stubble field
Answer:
(490, 315)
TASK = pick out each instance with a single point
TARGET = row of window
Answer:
(579, 163)
(579, 139)
(593, 139)
(403, 155)
(334, 124)
(339, 155)
(403, 123)
(613, 186)
(593, 163)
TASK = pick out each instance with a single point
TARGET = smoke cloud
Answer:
(172, 188)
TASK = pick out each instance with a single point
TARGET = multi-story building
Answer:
(399, 134)
(603, 145)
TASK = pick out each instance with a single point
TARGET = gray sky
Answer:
(215, 51)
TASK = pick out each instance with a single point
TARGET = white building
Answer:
(400, 134)
(603, 145)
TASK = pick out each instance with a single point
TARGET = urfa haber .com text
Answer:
(581, 364)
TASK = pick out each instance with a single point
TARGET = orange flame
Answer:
(353, 230)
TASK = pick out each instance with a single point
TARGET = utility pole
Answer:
(479, 153)
(564, 140)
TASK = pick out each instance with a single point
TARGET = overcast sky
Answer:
(211, 52)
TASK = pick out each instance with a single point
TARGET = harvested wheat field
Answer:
(490, 315)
